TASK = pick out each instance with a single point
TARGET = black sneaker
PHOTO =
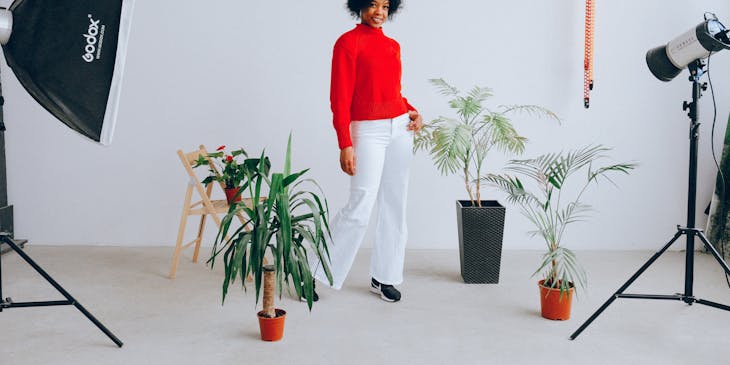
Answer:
(315, 297)
(387, 292)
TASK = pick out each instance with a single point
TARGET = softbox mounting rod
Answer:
(696, 72)
(6, 303)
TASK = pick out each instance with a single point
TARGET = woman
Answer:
(374, 126)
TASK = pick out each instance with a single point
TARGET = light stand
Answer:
(8, 302)
(696, 72)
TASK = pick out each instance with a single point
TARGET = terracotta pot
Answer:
(553, 305)
(231, 195)
(272, 329)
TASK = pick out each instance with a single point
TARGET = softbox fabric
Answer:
(69, 55)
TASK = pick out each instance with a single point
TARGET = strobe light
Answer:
(666, 62)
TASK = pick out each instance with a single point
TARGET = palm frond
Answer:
(424, 138)
(531, 110)
(466, 107)
(605, 170)
(451, 144)
(555, 168)
(573, 212)
(478, 94)
(501, 132)
(532, 168)
(444, 87)
(562, 270)
(584, 156)
(513, 187)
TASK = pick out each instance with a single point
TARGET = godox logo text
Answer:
(91, 40)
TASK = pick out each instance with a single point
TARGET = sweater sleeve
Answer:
(409, 107)
(342, 87)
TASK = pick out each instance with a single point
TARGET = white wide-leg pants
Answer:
(383, 152)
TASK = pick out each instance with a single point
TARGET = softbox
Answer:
(69, 55)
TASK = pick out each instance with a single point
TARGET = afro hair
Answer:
(355, 6)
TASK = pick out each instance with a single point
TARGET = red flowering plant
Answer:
(227, 170)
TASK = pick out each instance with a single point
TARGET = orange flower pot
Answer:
(553, 305)
(231, 195)
(272, 329)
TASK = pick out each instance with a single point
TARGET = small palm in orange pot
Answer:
(550, 215)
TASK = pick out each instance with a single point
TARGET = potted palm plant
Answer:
(289, 226)
(550, 207)
(461, 145)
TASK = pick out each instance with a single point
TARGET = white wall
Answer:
(245, 73)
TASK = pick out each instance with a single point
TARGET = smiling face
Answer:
(376, 13)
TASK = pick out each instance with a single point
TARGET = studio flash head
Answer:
(666, 62)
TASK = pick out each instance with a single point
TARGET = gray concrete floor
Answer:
(441, 320)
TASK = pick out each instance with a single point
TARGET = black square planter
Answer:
(480, 240)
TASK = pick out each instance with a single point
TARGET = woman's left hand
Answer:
(416, 121)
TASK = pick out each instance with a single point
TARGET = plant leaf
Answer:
(444, 87)
(452, 142)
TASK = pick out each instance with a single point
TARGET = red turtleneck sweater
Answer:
(366, 73)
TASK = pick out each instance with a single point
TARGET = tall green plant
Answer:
(290, 224)
(462, 144)
(550, 208)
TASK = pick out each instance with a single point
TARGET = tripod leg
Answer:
(625, 286)
(58, 287)
(713, 251)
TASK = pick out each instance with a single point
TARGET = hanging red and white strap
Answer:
(588, 60)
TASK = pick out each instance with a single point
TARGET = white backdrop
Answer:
(245, 73)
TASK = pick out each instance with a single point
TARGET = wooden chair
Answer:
(203, 207)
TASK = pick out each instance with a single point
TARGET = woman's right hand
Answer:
(347, 160)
